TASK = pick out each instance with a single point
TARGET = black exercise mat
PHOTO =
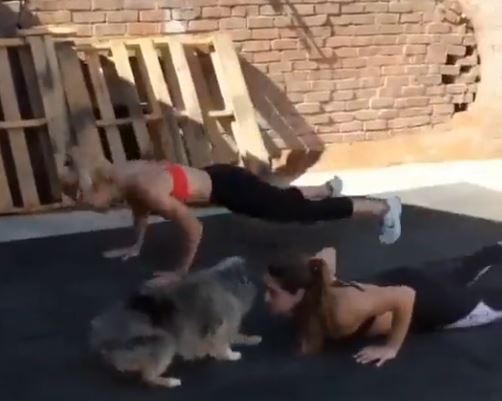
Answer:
(51, 288)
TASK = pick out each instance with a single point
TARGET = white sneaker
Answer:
(391, 222)
(335, 186)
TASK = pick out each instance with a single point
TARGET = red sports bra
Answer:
(180, 181)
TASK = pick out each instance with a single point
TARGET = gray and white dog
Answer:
(196, 317)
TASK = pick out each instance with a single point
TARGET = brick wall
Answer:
(342, 70)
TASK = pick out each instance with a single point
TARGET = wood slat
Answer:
(79, 104)
(247, 135)
(222, 151)
(37, 107)
(17, 139)
(198, 144)
(161, 101)
(105, 106)
(124, 70)
(51, 88)
(30, 123)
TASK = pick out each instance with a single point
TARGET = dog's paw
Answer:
(233, 356)
(253, 340)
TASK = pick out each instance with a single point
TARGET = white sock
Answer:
(335, 185)
(391, 222)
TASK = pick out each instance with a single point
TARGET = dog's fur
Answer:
(196, 317)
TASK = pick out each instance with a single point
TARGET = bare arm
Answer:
(140, 228)
(397, 300)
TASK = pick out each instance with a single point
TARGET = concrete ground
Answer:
(54, 282)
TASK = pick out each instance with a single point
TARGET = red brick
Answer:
(315, 20)
(268, 10)
(411, 91)
(390, 91)
(347, 84)
(174, 27)
(455, 89)
(305, 65)
(64, 5)
(122, 16)
(415, 111)
(389, 29)
(233, 23)
(139, 4)
(54, 17)
(245, 11)
(345, 74)
(289, 55)
(319, 96)
(376, 7)
(346, 52)
(216, 12)
(299, 86)
(413, 18)
(351, 126)
(382, 103)
(357, 104)
(385, 40)
(387, 114)
(354, 62)
(297, 76)
(415, 49)
(361, 19)
(443, 109)
(266, 57)
(384, 60)
(283, 21)
(435, 90)
(174, 3)
(365, 115)
(155, 15)
(109, 29)
(433, 79)
(202, 25)
(186, 14)
(352, 8)
(327, 8)
(285, 44)
(342, 117)
(370, 72)
(88, 17)
(143, 28)
(269, 33)
(387, 18)
(417, 70)
(400, 7)
(394, 70)
(281, 66)
(256, 46)
(334, 106)
(456, 50)
(438, 28)
(239, 35)
(436, 53)
(321, 75)
(375, 125)
(303, 9)
(418, 101)
(107, 4)
(437, 120)
(420, 39)
(412, 29)
(260, 22)
(366, 93)
(321, 32)
(392, 50)
(308, 108)
(339, 41)
(440, 99)
(469, 40)
(452, 39)
(449, 69)
(317, 119)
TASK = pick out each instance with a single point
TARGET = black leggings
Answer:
(444, 295)
(242, 192)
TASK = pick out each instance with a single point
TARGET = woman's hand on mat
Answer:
(376, 353)
(123, 253)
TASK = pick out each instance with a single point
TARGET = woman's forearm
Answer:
(401, 316)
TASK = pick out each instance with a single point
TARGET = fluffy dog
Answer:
(196, 317)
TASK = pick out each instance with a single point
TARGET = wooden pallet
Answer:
(181, 98)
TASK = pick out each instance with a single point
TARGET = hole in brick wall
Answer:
(465, 68)
(458, 107)
(451, 59)
(469, 50)
(447, 79)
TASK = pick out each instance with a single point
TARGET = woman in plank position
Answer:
(390, 303)
(165, 189)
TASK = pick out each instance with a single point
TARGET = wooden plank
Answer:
(247, 135)
(51, 88)
(160, 99)
(222, 151)
(30, 123)
(105, 106)
(35, 101)
(19, 147)
(131, 98)
(79, 104)
(127, 120)
(198, 144)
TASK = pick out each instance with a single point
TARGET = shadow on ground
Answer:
(51, 288)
